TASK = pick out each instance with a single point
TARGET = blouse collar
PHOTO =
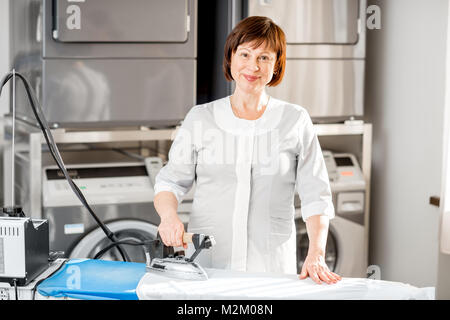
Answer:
(229, 122)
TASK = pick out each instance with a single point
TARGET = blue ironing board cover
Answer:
(94, 280)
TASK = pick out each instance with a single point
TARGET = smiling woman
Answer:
(261, 33)
(252, 69)
(247, 154)
(254, 57)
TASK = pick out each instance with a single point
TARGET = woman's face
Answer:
(252, 68)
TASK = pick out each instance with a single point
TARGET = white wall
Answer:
(4, 52)
(443, 278)
(405, 80)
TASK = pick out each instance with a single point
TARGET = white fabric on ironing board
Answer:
(228, 284)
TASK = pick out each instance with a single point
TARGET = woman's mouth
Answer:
(250, 78)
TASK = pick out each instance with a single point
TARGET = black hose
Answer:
(33, 291)
(15, 289)
(99, 254)
(57, 156)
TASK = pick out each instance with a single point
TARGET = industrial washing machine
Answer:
(121, 195)
(346, 253)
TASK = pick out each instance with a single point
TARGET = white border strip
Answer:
(445, 182)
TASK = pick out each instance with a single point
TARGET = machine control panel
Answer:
(104, 183)
(347, 184)
(343, 168)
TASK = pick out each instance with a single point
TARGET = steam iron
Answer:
(164, 261)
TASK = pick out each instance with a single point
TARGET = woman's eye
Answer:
(264, 58)
(245, 55)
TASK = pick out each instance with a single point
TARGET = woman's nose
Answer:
(254, 66)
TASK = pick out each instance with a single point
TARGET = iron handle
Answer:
(187, 237)
(199, 240)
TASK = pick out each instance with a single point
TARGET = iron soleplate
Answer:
(179, 268)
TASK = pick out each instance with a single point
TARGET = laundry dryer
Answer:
(346, 252)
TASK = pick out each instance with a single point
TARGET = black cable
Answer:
(57, 156)
(99, 254)
(15, 289)
(40, 281)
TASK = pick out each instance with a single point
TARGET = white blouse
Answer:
(245, 174)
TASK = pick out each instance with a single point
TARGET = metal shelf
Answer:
(30, 139)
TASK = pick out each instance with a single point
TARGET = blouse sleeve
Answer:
(313, 184)
(178, 175)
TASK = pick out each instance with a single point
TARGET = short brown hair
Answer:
(260, 30)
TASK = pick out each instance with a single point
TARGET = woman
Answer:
(247, 154)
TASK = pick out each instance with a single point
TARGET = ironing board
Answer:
(98, 279)
(226, 284)
(94, 280)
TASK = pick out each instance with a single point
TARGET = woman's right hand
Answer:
(171, 230)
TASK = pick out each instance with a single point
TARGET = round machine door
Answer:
(331, 254)
(133, 230)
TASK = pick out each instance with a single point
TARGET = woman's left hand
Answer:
(317, 269)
